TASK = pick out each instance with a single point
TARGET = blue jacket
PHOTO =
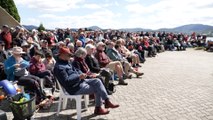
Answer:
(68, 76)
(113, 55)
(83, 40)
(10, 68)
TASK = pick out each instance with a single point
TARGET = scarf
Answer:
(84, 68)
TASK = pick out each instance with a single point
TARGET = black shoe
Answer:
(138, 65)
(109, 92)
(127, 77)
(122, 83)
(134, 66)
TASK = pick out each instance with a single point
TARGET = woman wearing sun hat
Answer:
(16, 69)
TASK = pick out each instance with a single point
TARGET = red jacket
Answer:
(102, 58)
(7, 38)
(36, 66)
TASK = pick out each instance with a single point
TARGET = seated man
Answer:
(104, 61)
(75, 82)
(114, 55)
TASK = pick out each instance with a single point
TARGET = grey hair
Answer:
(81, 51)
(71, 46)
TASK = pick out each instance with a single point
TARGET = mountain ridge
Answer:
(189, 28)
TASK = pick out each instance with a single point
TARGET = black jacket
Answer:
(93, 64)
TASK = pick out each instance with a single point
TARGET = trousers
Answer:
(93, 86)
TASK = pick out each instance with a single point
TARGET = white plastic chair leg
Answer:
(78, 107)
(86, 101)
(64, 103)
(59, 106)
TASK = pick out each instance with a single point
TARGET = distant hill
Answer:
(199, 28)
(134, 29)
(94, 28)
(30, 27)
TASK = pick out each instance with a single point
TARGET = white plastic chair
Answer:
(64, 96)
(46, 90)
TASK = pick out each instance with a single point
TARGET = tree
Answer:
(10, 7)
(41, 27)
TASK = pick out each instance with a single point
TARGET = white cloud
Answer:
(103, 18)
(31, 21)
(132, 1)
(117, 14)
(50, 5)
(116, 3)
(91, 6)
(169, 13)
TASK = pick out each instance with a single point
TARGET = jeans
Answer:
(93, 86)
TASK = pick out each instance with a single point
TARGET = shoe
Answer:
(109, 92)
(138, 65)
(101, 111)
(138, 74)
(121, 82)
(109, 104)
(134, 66)
(127, 76)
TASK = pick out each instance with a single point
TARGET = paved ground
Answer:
(176, 86)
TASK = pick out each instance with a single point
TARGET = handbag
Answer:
(112, 87)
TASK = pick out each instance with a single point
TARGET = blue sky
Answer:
(153, 14)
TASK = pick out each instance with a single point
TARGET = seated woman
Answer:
(127, 53)
(38, 69)
(80, 62)
(105, 62)
(49, 61)
(16, 69)
(75, 82)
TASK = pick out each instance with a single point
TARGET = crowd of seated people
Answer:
(82, 61)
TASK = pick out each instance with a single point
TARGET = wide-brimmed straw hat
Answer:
(17, 50)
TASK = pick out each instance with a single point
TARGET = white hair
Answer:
(81, 51)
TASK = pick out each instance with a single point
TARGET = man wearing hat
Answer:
(6, 37)
(16, 32)
(75, 82)
(25, 46)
